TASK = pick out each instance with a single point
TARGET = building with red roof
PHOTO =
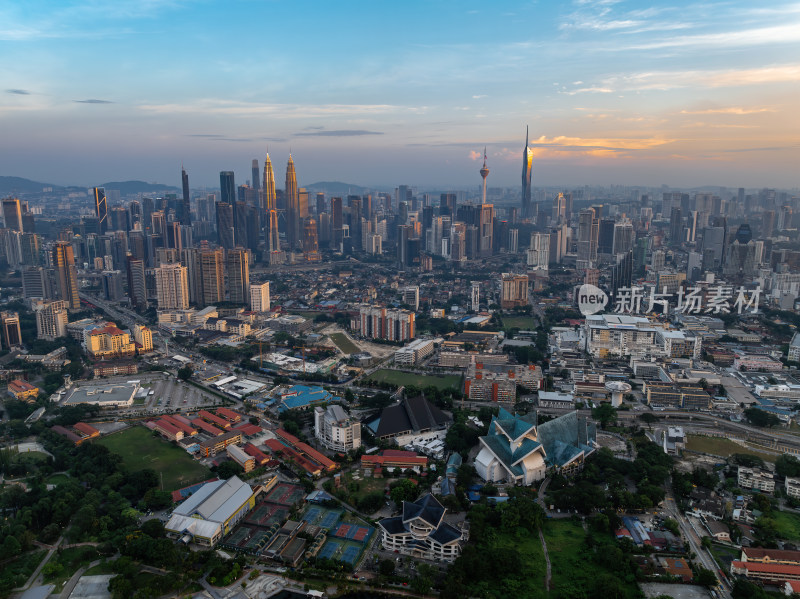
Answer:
(23, 390)
(188, 431)
(393, 459)
(85, 430)
(769, 573)
(206, 427)
(168, 430)
(247, 429)
(229, 415)
(215, 420)
(260, 457)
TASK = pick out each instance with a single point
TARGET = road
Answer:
(703, 556)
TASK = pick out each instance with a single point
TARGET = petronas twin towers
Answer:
(293, 211)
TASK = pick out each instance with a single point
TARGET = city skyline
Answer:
(677, 94)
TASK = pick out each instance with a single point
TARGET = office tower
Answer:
(559, 209)
(119, 219)
(513, 290)
(640, 256)
(403, 195)
(694, 266)
(513, 241)
(588, 235)
(28, 219)
(36, 283)
(112, 285)
(447, 204)
(225, 225)
(623, 237)
(51, 319)
(212, 270)
(744, 258)
(172, 287)
(692, 223)
(237, 266)
(605, 237)
(259, 297)
(320, 203)
(12, 334)
(784, 218)
(411, 296)
(337, 224)
(227, 187)
(66, 276)
(486, 230)
(186, 207)
(255, 183)
(137, 285)
(558, 243)
(539, 252)
(148, 208)
(622, 272)
(403, 237)
(484, 173)
(12, 214)
(310, 239)
(527, 163)
(292, 207)
(476, 297)
(240, 228)
(767, 223)
(676, 227)
(356, 229)
(30, 249)
(101, 208)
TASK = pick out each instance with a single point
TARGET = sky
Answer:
(384, 93)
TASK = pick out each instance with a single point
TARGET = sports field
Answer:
(398, 377)
(723, 447)
(343, 343)
(524, 323)
(140, 450)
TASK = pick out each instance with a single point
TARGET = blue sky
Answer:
(380, 93)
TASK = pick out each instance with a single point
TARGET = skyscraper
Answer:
(259, 297)
(101, 208)
(484, 173)
(12, 334)
(137, 283)
(225, 225)
(213, 276)
(237, 265)
(66, 275)
(256, 183)
(172, 287)
(292, 207)
(310, 239)
(527, 163)
(227, 187)
(186, 208)
(268, 195)
(12, 214)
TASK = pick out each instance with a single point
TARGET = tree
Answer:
(185, 373)
(386, 567)
(403, 490)
(706, 578)
(605, 414)
(758, 417)
(787, 465)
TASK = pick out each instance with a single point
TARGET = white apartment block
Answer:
(414, 352)
(753, 478)
(51, 319)
(259, 297)
(793, 487)
(335, 430)
(621, 335)
(172, 287)
(539, 251)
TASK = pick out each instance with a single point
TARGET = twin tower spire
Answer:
(292, 201)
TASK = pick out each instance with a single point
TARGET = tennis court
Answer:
(239, 535)
(350, 553)
(258, 540)
(330, 548)
(322, 517)
(353, 531)
(286, 494)
(267, 514)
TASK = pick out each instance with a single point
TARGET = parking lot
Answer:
(173, 395)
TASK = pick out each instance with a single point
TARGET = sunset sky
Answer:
(377, 93)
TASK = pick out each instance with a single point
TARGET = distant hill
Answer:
(133, 187)
(18, 185)
(337, 188)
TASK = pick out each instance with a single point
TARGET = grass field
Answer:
(725, 555)
(397, 377)
(723, 447)
(57, 479)
(524, 323)
(574, 572)
(140, 449)
(788, 525)
(344, 344)
(31, 456)
(533, 566)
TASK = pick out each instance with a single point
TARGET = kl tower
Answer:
(484, 174)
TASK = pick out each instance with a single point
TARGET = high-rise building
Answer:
(676, 237)
(172, 287)
(237, 266)
(623, 237)
(527, 164)
(486, 230)
(539, 252)
(213, 276)
(256, 183)
(559, 209)
(310, 239)
(605, 237)
(66, 275)
(259, 297)
(137, 283)
(476, 297)
(51, 319)
(484, 173)
(143, 336)
(225, 225)
(276, 255)
(36, 283)
(411, 296)
(12, 214)
(101, 208)
(292, 207)
(186, 207)
(112, 285)
(268, 195)
(227, 187)
(588, 235)
(12, 334)
(513, 291)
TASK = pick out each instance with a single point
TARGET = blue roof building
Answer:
(302, 396)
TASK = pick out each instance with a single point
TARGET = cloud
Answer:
(479, 96)
(473, 155)
(730, 110)
(789, 32)
(338, 133)
(93, 101)
(313, 128)
(18, 92)
(284, 111)
(218, 137)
